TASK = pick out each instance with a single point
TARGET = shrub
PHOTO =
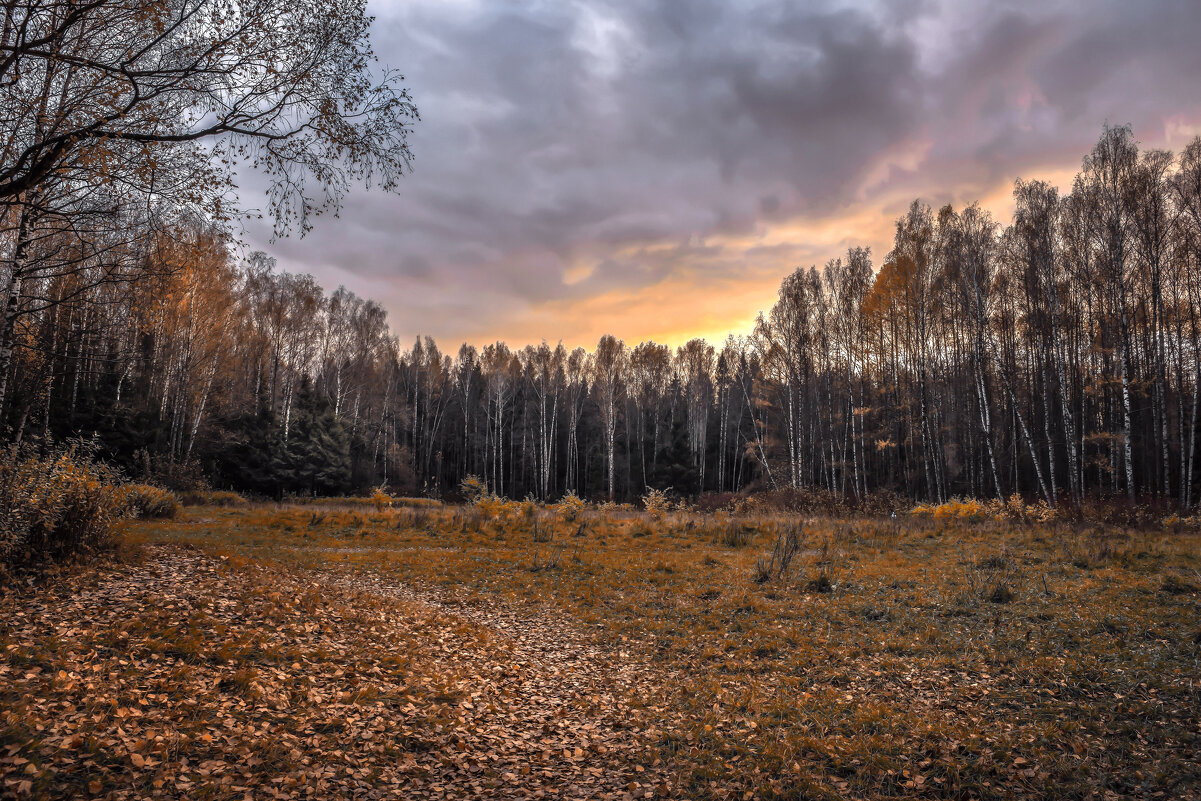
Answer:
(779, 564)
(527, 510)
(972, 510)
(175, 476)
(1123, 513)
(466, 519)
(146, 501)
(54, 507)
(882, 503)
(570, 507)
(656, 503)
(380, 499)
(494, 507)
(811, 501)
(473, 488)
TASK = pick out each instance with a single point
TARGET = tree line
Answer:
(1056, 356)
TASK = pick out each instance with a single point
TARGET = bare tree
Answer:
(610, 365)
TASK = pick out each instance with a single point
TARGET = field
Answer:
(506, 650)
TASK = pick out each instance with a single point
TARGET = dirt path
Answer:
(186, 672)
(565, 723)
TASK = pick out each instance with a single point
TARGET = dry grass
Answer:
(211, 498)
(941, 658)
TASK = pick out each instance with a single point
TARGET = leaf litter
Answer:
(191, 674)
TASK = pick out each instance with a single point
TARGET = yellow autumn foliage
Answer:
(972, 509)
(570, 507)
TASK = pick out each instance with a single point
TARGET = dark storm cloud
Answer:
(571, 150)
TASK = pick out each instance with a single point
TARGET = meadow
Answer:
(641, 653)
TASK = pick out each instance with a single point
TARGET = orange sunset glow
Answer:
(574, 180)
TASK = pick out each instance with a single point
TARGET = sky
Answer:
(654, 169)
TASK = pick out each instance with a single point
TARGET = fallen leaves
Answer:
(184, 673)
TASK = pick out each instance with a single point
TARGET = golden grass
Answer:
(935, 657)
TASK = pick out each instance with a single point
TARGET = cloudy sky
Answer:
(653, 169)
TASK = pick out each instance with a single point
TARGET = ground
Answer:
(351, 650)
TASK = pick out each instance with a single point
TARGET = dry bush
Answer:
(716, 502)
(54, 507)
(1121, 512)
(570, 507)
(141, 501)
(473, 488)
(162, 471)
(802, 500)
(973, 510)
(1141, 513)
(380, 499)
(656, 503)
(881, 503)
(494, 507)
(778, 565)
(527, 511)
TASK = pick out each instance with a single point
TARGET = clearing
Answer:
(341, 650)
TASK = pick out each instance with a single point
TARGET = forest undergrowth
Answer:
(715, 655)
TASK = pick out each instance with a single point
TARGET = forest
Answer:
(1057, 356)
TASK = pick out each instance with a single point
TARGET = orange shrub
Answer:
(971, 510)
(570, 506)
